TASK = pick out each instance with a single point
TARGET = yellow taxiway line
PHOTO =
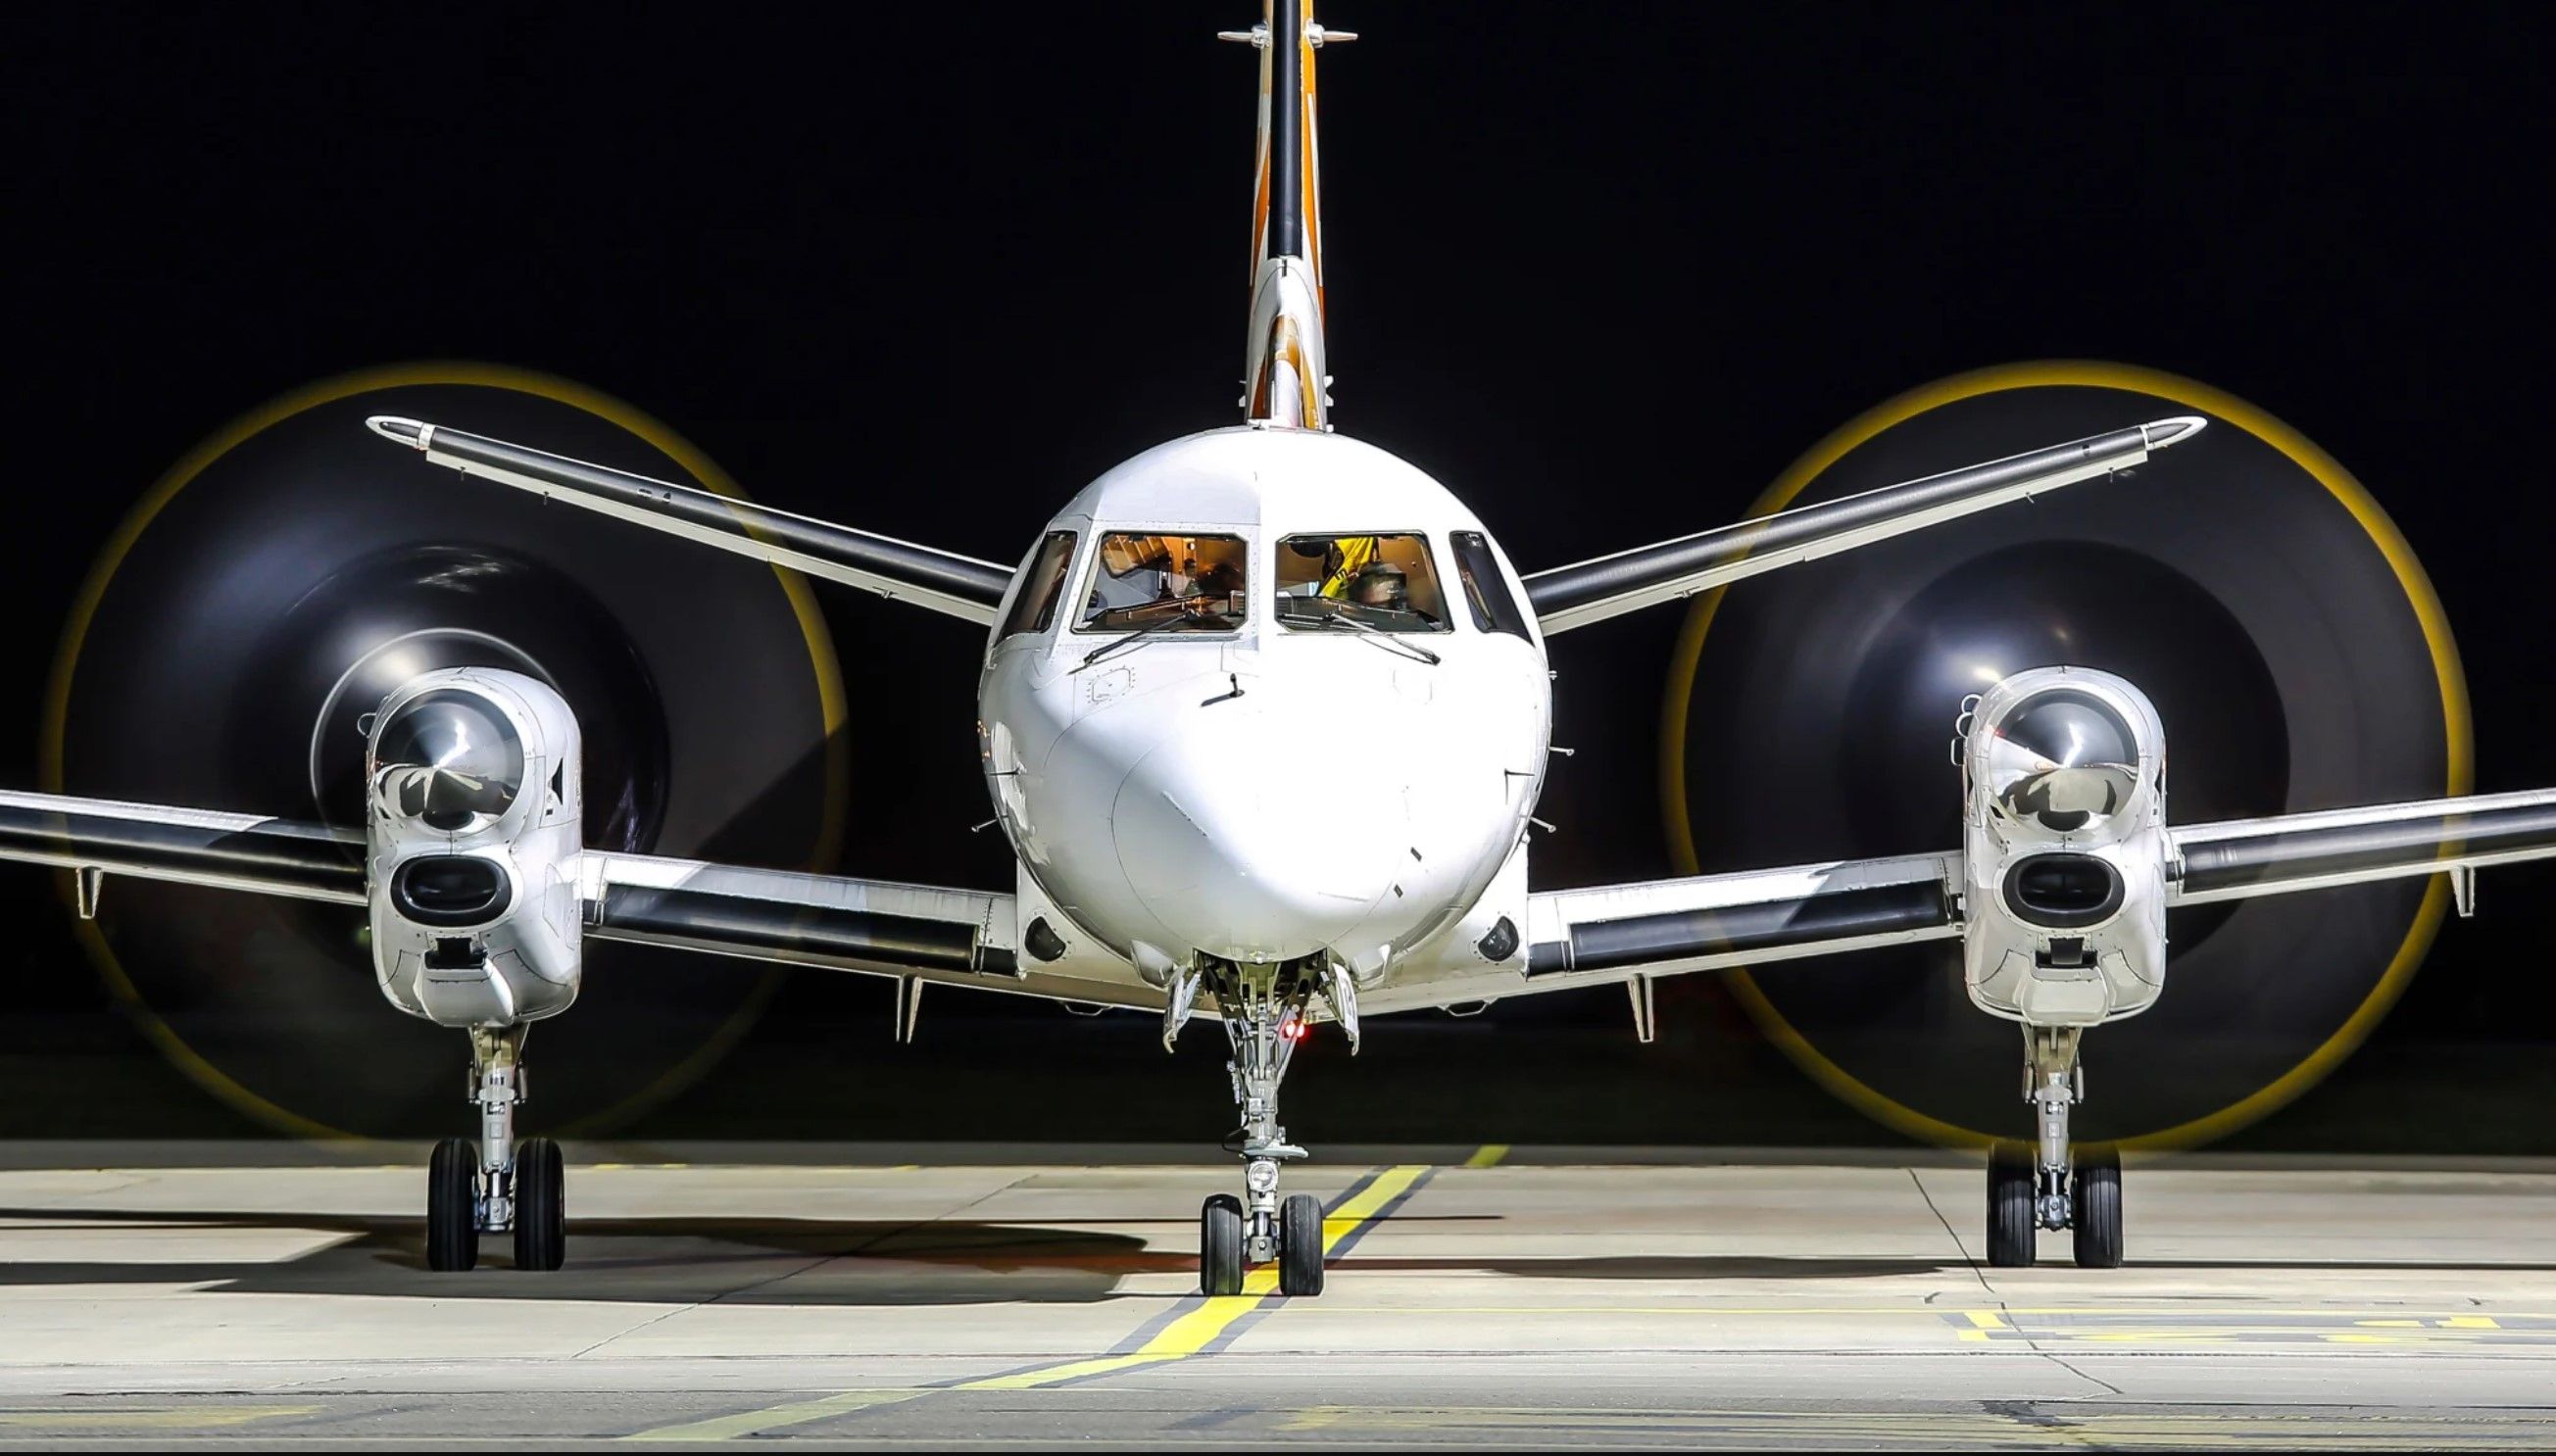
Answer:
(1194, 1331)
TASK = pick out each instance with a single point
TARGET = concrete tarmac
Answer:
(162, 1295)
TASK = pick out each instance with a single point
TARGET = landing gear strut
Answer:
(2055, 1186)
(1264, 1010)
(497, 1184)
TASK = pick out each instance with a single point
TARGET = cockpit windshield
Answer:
(1180, 583)
(449, 759)
(1384, 582)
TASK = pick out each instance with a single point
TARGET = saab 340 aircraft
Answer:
(1160, 696)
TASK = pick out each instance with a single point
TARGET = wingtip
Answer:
(409, 432)
(2163, 432)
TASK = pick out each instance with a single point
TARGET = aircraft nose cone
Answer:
(1264, 837)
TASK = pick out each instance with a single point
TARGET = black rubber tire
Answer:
(453, 1206)
(1220, 1246)
(1300, 1246)
(2014, 1240)
(541, 1205)
(2096, 1189)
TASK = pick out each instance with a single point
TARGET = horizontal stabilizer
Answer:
(1594, 590)
(960, 586)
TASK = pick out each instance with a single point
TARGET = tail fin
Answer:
(1284, 378)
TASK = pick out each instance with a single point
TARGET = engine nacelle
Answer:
(474, 837)
(2064, 848)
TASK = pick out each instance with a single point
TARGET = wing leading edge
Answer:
(2243, 858)
(1708, 920)
(1574, 937)
(958, 937)
(954, 938)
(1616, 932)
(98, 836)
(945, 581)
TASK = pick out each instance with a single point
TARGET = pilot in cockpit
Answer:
(1145, 580)
(1381, 584)
(1345, 557)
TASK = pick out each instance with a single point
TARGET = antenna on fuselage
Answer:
(1285, 378)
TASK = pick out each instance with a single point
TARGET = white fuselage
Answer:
(1268, 791)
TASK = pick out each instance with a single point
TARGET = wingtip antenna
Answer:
(414, 434)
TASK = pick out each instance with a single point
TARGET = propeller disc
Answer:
(2243, 580)
(292, 570)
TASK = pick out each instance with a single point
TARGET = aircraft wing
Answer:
(945, 581)
(1594, 590)
(956, 938)
(2241, 858)
(100, 837)
(1615, 932)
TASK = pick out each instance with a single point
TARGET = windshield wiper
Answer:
(1393, 641)
(1181, 619)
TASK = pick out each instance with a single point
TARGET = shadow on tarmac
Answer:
(824, 1262)
(689, 1259)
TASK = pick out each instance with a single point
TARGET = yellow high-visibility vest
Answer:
(1355, 552)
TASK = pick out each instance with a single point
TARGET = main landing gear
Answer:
(2054, 1187)
(1264, 1010)
(499, 1184)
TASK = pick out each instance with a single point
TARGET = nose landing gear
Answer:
(1264, 1012)
(2055, 1186)
(499, 1184)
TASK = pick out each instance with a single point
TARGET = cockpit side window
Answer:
(1178, 583)
(1041, 587)
(1382, 582)
(1487, 592)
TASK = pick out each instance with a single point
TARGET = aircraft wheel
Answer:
(2012, 1235)
(453, 1206)
(1220, 1246)
(2097, 1192)
(541, 1205)
(1300, 1245)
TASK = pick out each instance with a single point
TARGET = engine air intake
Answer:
(2063, 891)
(449, 890)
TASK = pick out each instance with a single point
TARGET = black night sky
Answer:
(1603, 269)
